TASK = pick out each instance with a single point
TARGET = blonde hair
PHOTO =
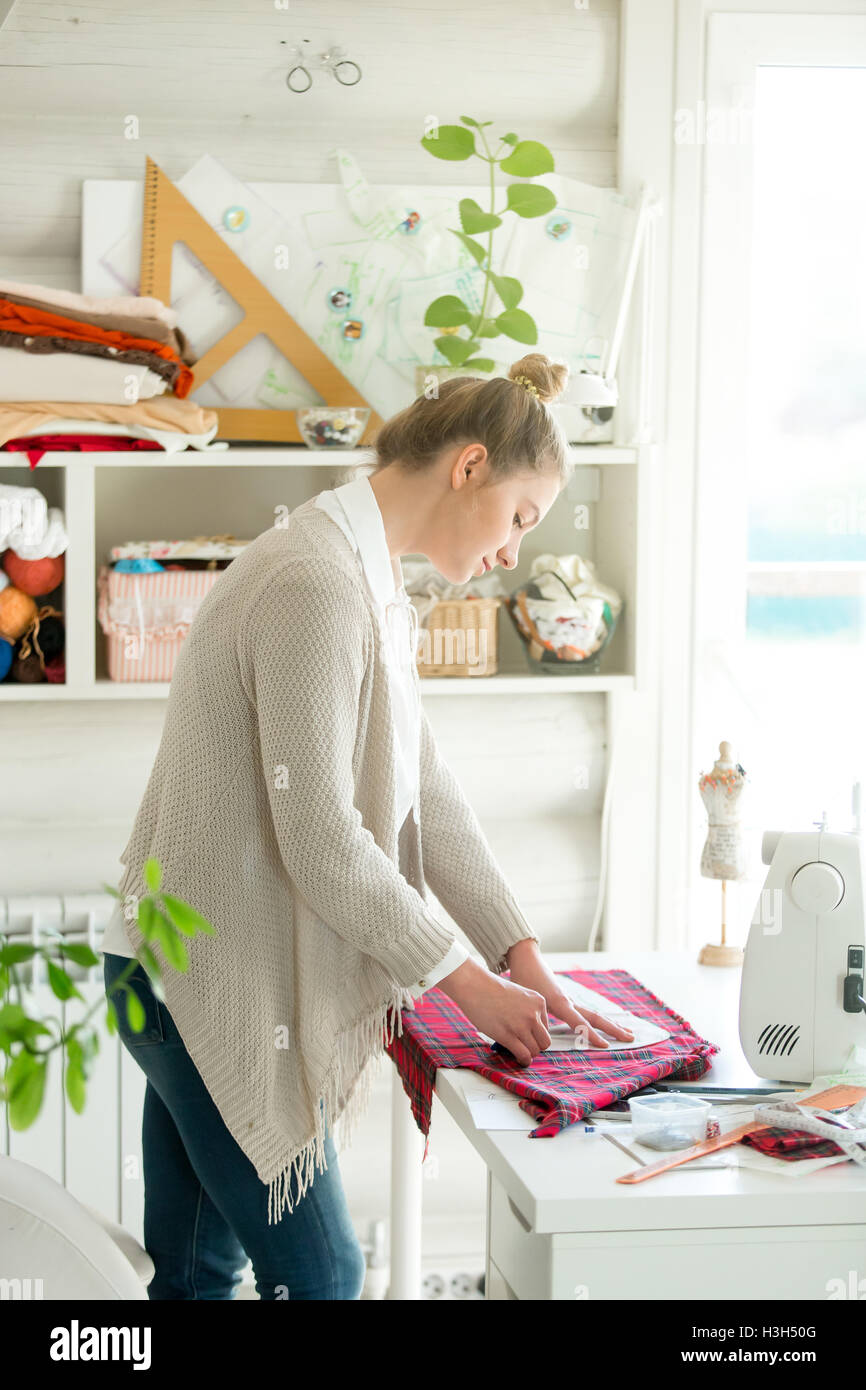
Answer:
(508, 415)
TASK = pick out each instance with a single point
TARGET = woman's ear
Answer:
(471, 463)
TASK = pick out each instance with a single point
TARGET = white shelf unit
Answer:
(111, 497)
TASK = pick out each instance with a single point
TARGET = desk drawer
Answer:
(744, 1262)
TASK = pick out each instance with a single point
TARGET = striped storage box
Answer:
(146, 616)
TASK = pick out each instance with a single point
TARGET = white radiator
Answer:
(96, 1155)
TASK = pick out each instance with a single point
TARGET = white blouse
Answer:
(354, 508)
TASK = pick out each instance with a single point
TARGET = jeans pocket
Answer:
(154, 1027)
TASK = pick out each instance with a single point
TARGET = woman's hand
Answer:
(503, 1010)
(528, 968)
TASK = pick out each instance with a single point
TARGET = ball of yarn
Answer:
(51, 637)
(55, 670)
(27, 669)
(35, 577)
(6, 652)
(17, 611)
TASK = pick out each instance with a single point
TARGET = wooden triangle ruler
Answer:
(169, 217)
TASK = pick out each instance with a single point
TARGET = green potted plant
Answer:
(162, 918)
(462, 327)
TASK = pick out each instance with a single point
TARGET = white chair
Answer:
(46, 1234)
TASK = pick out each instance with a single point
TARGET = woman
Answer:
(298, 800)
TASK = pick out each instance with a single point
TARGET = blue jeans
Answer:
(205, 1207)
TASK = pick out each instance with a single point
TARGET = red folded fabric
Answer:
(35, 445)
(558, 1087)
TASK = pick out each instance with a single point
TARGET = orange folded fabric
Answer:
(20, 318)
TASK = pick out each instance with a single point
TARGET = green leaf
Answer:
(185, 917)
(61, 983)
(154, 974)
(448, 311)
(510, 139)
(473, 218)
(527, 159)
(134, 1010)
(153, 874)
(147, 917)
(111, 1017)
(488, 328)
(80, 954)
(172, 945)
(12, 1016)
(470, 120)
(517, 324)
(472, 246)
(455, 349)
(14, 955)
(74, 1085)
(450, 142)
(530, 200)
(25, 1087)
(17, 1026)
(510, 291)
(483, 364)
(115, 892)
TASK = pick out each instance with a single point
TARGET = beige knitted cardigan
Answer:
(271, 806)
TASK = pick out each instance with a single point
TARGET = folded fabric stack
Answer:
(80, 372)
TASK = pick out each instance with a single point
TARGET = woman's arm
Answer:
(459, 864)
(304, 653)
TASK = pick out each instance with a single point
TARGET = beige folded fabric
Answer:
(67, 376)
(162, 413)
(138, 306)
(162, 366)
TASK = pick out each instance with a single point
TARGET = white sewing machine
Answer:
(802, 992)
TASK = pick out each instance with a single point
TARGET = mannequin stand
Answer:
(721, 954)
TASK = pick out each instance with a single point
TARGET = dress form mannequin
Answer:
(723, 855)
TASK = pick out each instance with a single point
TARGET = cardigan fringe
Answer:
(364, 1047)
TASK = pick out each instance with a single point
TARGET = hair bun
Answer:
(549, 378)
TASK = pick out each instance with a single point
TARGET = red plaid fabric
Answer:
(792, 1143)
(558, 1087)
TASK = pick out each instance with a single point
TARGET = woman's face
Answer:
(480, 524)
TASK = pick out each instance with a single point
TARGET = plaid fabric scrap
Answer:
(792, 1143)
(558, 1088)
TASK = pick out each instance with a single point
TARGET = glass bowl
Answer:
(332, 427)
(540, 656)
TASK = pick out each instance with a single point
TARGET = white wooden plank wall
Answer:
(208, 77)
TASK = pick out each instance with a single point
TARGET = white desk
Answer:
(560, 1227)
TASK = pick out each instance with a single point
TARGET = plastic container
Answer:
(669, 1121)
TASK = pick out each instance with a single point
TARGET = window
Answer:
(780, 617)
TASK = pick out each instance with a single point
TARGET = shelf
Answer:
(270, 456)
(508, 683)
(106, 496)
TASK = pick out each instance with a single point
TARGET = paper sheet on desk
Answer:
(494, 1108)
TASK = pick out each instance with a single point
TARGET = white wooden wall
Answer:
(208, 77)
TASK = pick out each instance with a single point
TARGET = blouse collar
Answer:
(358, 501)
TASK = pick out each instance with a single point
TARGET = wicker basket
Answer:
(459, 638)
